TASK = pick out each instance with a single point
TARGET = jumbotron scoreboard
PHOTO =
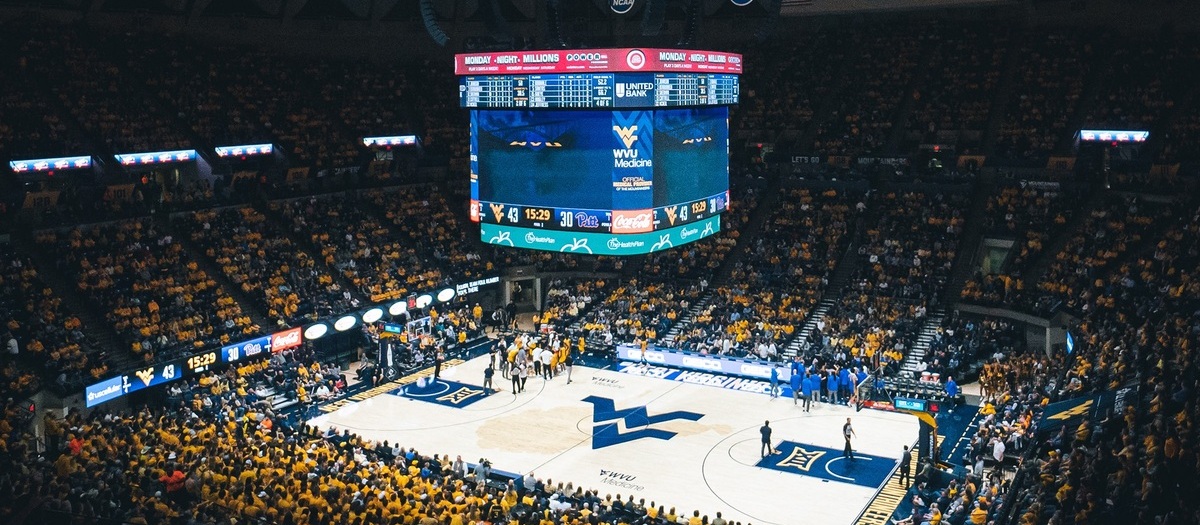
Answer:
(600, 151)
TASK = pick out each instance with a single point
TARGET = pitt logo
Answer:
(606, 418)
(1074, 411)
(497, 210)
(672, 212)
(626, 133)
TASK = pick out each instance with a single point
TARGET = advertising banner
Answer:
(598, 243)
(245, 349)
(734, 366)
(286, 339)
(597, 60)
(104, 391)
(156, 157)
(61, 163)
(633, 166)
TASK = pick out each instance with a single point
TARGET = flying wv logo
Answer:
(606, 418)
(1074, 411)
(626, 134)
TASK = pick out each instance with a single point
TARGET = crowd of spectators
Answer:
(154, 295)
(905, 258)
(30, 126)
(94, 77)
(388, 242)
(780, 277)
(778, 102)
(669, 282)
(264, 261)
(1029, 215)
(41, 340)
(1114, 228)
(873, 86)
(1129, 465)
(961, 345)
(955, 101)
(1139, 81)
(567, 299)
(1048, 84)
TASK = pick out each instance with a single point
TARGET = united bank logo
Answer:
(607, 421)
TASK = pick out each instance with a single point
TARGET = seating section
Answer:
(1109, 231)
(955, 101)
(905, 259)
(784, 99)
(640, 309)
(961, 346)
(567, 299)
(30, 127)
(49, 340)
(155, 296)
(1138, 81)
(1144, 444)
(873, 85)
(94, 77)
(256, 255)
(780, 278)
(669, 282)
(1048, 84)
(1030, 216)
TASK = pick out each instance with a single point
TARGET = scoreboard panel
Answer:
(598, 221)
(598, 90)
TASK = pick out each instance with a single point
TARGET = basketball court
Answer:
(678, 440)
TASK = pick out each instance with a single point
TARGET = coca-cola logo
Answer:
(286, 339)
(636, 221)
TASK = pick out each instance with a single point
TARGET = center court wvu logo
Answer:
(606, 418)
(626, 133)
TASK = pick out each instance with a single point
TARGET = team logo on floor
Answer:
(605, 417)
(828, 464)
(443, 392)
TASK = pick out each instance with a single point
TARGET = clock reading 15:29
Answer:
(201, 360)
(537, 214)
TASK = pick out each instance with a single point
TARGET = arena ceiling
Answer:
(513, 10)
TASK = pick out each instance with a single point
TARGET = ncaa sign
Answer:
(621, 7)
(741, 3)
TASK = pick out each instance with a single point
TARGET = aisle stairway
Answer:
(970, 241)
(686, 320)
(841, 277)
(915, 356)
(248, 304)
